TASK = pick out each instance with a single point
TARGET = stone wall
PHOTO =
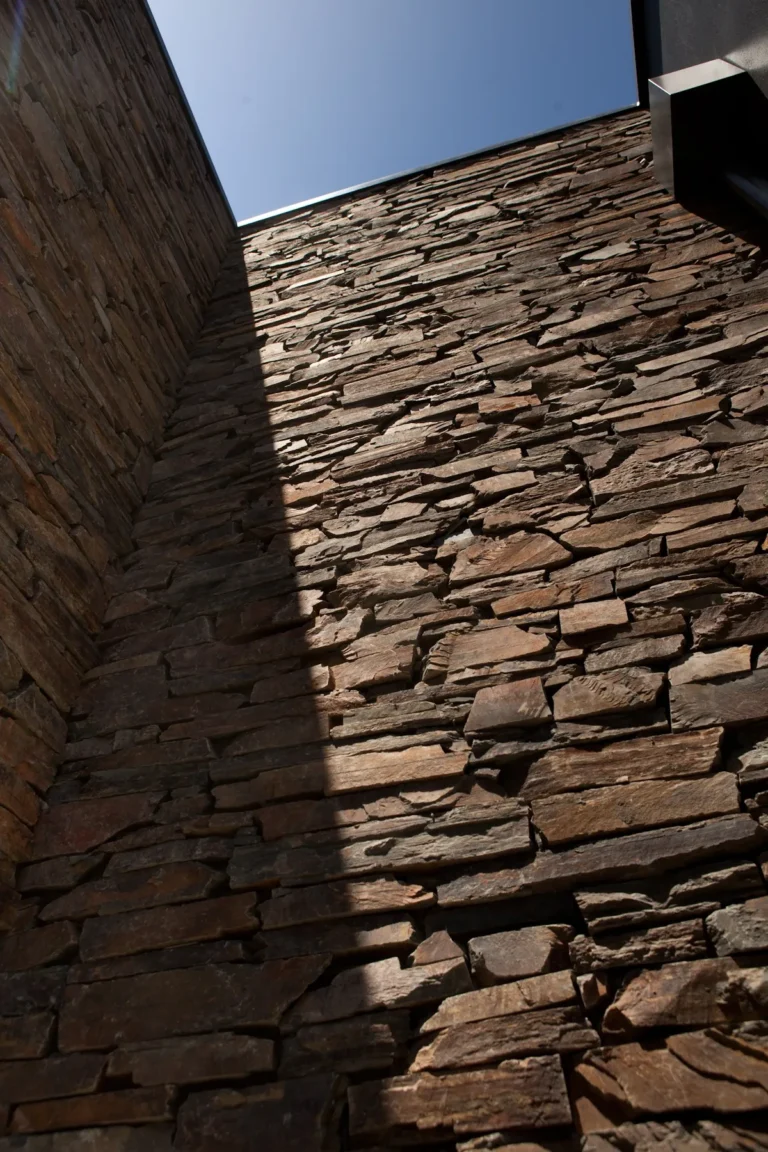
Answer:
(112, 231)
(419, 795)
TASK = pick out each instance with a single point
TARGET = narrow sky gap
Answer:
(299, 98)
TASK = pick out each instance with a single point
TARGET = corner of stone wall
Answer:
(112, 232)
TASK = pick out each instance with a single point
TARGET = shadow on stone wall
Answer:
(154, 865)
(112, 231)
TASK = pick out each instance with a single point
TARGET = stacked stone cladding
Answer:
(417, 797)
(112, 232)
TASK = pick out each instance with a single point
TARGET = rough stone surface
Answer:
(740, 928)
(698, 993)
(416, 783)
(107, 272)
(711, 1070)
(512, 955)
(524, 1094)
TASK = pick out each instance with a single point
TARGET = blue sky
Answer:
(297, 98)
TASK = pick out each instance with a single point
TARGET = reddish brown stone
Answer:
(523, 1094)
(47, 1079)
(529, 1033)
(521, 703)
(730, 703)
(138, 1106)
(15, 837)
(129, 890)
(345, 773)
(598, 812)
(522, 552)
(382, 984)
(37, 947)
(82, 825)
(359, 1044)
(525, 952)
(122, 935)
(592, 617)
(340, 899)
(694, 994)
(607, 693)
(194, 1060)
(695, 1070)
(438, 946)
(485, 646)
(654, 757)
(292, 1116)
(164, 1004)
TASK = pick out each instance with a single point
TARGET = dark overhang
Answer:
(702, 70)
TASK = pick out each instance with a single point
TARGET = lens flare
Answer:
(14, 59)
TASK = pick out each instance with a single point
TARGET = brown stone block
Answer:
(346, 773)
(155, 755)
(106, 936)
(84, 824)
(129, 890)
(36, 713)
(523, 1094)
(26, 1037)
(607, 693)
(484, 646)
(592, 616)
(498, 830)
(501, 1037)
(695, 891)
(15, 837)
(521, 703)
(37, 947)
(701, 666)
(302, 816)
(309, 729)
(138, 1106)
(668, 942)
(382, 984)
(277, 784)
(359, 1044)
(25, 634)
(740, 928)
(638, 854)
(25, 754)
(521, 552)
(547, 991)
(524, 952)
(50, 1078)
(710, 1071)
(163, 960)
(645, 758)
(291, 1116)
(17, 796)
(367, 587)
(729, 703)
(553, 595)
(28, 992)
(340, 899)
(631, 807)
(164, 1004)
(368, 671)
(194, 1060)
(372, 934)
(437, 946)
(694, 994)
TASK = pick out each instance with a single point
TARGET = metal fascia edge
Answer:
(409, 173)
(185, 103)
